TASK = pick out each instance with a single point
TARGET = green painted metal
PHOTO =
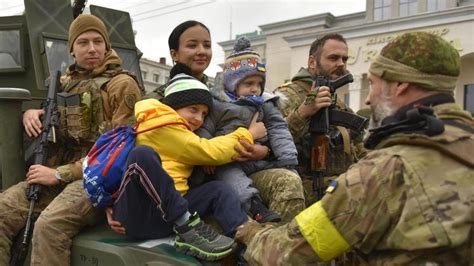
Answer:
(11, 145)
(32, 46)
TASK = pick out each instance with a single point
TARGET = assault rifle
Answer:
(39, 148)
(319, 128)
(77, 7)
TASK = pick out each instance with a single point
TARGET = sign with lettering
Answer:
(368, 52)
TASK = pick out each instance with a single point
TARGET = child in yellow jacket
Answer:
(154, 197)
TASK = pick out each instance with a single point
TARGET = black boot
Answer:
(259, 212)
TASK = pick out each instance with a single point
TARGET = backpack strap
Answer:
(158, 126)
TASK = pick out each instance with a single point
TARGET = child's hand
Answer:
(209, 169)
(257, 129)
(115, 225)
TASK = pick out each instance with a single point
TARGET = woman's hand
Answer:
(249, 151)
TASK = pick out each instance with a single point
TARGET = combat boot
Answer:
(196, 238)
(259, 212)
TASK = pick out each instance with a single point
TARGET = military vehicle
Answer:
(32, 46)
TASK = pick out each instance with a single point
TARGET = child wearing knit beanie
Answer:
(240, 95)
(158, 168)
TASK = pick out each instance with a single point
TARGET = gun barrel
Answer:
(335, 84)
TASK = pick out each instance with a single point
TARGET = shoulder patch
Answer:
(332, 186)
(130, 100)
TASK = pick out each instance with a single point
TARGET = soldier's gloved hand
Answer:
(247, 231)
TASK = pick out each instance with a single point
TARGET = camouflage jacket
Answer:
(292, 95)
(409, 202)
(106, 98)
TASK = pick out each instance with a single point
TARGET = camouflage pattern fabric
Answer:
(292, 95)
(281, 190)
(52, 238)
(432, 55)
(13, 211)
(65, 208)
(433, 65)
(401, 204)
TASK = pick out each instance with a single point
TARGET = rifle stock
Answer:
(319, 128)
(40, 152)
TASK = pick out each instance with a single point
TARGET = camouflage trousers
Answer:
(281, 190)
(63, 212)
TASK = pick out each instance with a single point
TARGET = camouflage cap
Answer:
(421, 58)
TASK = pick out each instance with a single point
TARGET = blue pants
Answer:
(148, 202)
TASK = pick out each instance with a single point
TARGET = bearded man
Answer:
(410, 199)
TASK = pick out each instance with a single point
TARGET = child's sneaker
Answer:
(260, 213)
(196, 238)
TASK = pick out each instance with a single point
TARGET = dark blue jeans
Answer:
(148, 203)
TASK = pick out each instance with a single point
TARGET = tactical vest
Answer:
(81, 108)
(342, 151)
(437, 189)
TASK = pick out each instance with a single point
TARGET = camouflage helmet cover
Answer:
(425, 52)
(420, 58)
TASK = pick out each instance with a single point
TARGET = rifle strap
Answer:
(346, 139)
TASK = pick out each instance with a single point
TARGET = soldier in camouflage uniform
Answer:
(281, 189)
(410, 200)
(327, 57)
(106, 97)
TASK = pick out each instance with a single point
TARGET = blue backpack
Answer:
(105, 163)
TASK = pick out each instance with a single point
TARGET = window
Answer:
(408, 8)
(435, 5)
(469, 98)
(156, 78)
(57, 55)
(382, 9)
(130, 61)
(10, 50)
(144, 75)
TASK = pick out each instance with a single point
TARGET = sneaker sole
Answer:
(196, 252)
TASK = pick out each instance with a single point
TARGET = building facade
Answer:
(154, 74)
(285, 45)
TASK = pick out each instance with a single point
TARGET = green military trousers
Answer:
(282, 191)
(64, 211)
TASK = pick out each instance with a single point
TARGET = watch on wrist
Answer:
(58, 175)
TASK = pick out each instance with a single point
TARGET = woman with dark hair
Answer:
(158, 168)
(281, 189)
(190, 44)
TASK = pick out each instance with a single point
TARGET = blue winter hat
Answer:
(242, 63)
